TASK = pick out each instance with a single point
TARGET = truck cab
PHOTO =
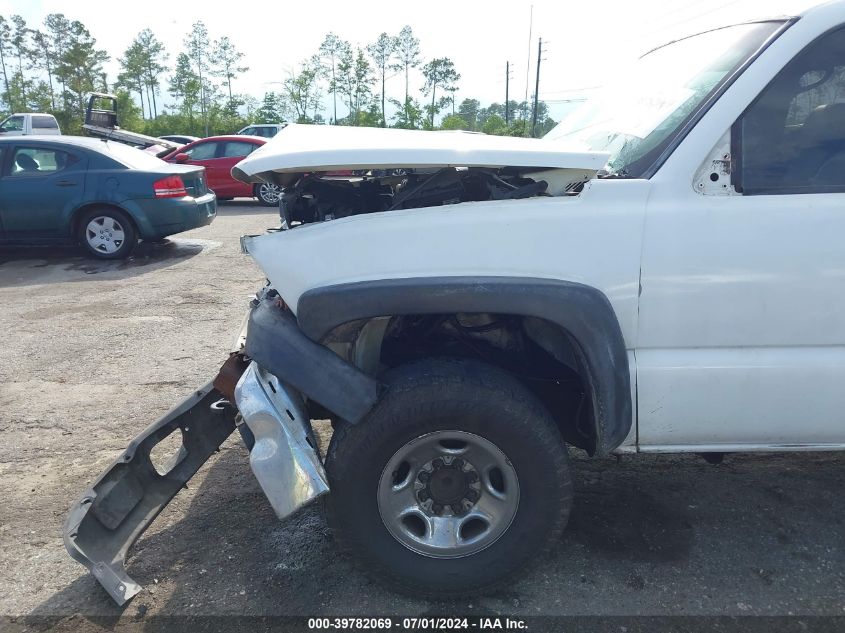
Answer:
(28, 123)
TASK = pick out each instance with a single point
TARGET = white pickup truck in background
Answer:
(29, 123)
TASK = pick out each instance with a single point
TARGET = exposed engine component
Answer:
(316, 198)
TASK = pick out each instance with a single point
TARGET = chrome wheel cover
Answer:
(448, 494)
(105, 234)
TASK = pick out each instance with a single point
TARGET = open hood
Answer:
(319, 148)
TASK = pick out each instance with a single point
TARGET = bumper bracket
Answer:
(113, 513)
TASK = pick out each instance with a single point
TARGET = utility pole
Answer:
(523, 116)
(537, 86)
(507, 93)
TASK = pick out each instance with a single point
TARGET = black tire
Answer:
(263, 194)
(130, 235)
(455, 395)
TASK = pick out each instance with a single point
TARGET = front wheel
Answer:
(106, 233)
(268, 194)
(453, 483)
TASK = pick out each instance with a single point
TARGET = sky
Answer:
(581, 40)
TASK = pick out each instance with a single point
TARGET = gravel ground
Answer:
(96, 351)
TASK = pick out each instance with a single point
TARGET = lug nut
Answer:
(472, 495)
(457, 509)
(437, 508)
(438, 463)
(423, 495)
(458, 463)
(424, 476)
(472, 476)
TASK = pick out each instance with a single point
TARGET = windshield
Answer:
(637, 117)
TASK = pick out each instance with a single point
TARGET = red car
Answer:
(218, 154)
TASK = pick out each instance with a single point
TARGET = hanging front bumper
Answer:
(284, 459)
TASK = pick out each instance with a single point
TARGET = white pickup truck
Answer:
(29, 123)
(664, 272)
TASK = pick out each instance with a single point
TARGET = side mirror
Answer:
(181, 157)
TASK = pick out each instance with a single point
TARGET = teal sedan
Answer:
(100, 194)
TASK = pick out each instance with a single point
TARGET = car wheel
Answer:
(453, 483)
(268, 194)
(107, 233)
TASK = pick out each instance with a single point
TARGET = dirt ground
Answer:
(96, 351)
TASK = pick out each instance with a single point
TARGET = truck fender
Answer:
(582, 311)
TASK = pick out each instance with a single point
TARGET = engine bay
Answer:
(320, 197)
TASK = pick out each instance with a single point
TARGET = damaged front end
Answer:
(279, 377)
(267, 394)
(329, 172)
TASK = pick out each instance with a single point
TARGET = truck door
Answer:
(742, 335)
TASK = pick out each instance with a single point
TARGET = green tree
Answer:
(371, 117)
(152, 59)
(19, 41)
(197, 48)
(272, 109)
(5, 50)
(185, 87)
(331, 51)
(58, 32)
(454, 122)
(301, 90)
(226, 60)
(409, 115)
(494, 124)
(133, 73)
(44, 58)
(407, 55)
(355, 78)
(468, 111)
(382, 52)
(128, 113)
(82, 67)
(438, 73)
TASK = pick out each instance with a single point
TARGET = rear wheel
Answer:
(268, 194)
(106, 233)
(453, 483)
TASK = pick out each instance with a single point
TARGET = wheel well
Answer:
(74, 223)
(541, 354)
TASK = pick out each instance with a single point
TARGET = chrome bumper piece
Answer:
(284, 459)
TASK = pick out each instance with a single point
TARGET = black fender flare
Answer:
(582, 311)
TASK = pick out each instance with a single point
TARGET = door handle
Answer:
(65, 183)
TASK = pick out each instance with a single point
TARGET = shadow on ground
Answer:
(25, 265)
(652, 535)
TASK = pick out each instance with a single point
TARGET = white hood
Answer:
(305, 148)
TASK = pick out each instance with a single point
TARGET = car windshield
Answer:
(130, 156)
(637, 117)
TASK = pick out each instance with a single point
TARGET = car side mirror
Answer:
(181, 157)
